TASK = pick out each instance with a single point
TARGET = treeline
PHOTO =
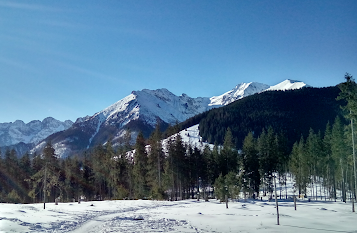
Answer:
(155, 169)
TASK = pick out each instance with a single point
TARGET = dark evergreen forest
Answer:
(291, 112)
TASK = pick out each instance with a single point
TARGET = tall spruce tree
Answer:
(330, 163)
(228, 154)
(268, 156)
(48, 176)
(250, 164)
(339, 154)
(299, 166)
(140, 168)
(349, 93)
(155, 164)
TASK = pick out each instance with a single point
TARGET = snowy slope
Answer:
(153, 104)
(32, 132)
(148, 106)
(190, 136)
(287, 85)
(246, 89)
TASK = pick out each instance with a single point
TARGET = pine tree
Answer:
(155, 164)
(209, 170)
(48, 176)
(228, 154)
(268, 156)
(349, 93)
(299, 166)
(330, 163)
(72, 178)
(11, 169)
(125, 182)
(175, 166)
(178, 155)
(250, 164)
(140, 168)
(88, 177)
(25, 172)
(113, 167)
(338, 153)
(101, 172)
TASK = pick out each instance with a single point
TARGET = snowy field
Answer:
(180, 216)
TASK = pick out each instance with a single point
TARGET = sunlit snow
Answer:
(180, 216)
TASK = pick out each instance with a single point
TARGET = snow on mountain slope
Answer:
(287, 85)
(149, 106)
(190, 136)
(169, 107)
(152, 104)
(240, 91)
(32, 132)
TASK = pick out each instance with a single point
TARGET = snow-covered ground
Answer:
(180, 216)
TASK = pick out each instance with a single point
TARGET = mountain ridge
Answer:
(12, 133)
(141, 111)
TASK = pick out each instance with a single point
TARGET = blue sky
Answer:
(69, 59)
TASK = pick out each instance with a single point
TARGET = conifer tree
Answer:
(112, 166)
(72, 178)
(48, 176)
(209, 169)
(25, 172)
(125, 182)
(330, 166)
(268, 156)
(250, 164)
(216, 162)
(299, 166)
(140, 168)
(88, 177)
(228, 154)
(155, 164)
(339, 154)
(349, 93)
(174, 166)
(312, 154)
(11, 169)
(178, 153)
(101, 172)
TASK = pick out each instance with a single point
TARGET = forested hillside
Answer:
(291, 112)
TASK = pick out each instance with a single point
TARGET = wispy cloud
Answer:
(26, 6)
(18, 65)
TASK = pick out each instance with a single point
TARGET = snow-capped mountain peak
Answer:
(147, 107)
(240, 91)
(288, 85)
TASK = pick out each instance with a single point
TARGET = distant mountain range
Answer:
(32, 132)
(139, 111)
